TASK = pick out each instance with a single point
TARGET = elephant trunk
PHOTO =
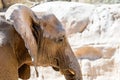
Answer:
(68, 65)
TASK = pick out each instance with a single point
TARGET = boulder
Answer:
(88, 52)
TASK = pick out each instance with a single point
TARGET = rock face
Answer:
(88, 52)
(93, 32)
(4, 4)
(102, 35)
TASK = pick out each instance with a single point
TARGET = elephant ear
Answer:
(24, 71)
(23, 19)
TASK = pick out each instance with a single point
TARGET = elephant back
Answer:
(6, 31)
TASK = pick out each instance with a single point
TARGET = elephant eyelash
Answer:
(61, 39)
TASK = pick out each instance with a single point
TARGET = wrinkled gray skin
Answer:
(43, 39)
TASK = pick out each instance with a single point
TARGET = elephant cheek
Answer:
(71, 68)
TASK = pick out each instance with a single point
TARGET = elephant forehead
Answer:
(53, 21)
(52, 26)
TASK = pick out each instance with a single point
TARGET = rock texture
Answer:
(93, 32)
(102, 35)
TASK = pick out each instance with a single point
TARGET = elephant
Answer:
(28, 39)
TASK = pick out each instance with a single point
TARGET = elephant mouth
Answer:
(69, 74)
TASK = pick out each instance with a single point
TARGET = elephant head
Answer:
(45, 39)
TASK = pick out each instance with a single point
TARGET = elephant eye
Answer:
(60, 39)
